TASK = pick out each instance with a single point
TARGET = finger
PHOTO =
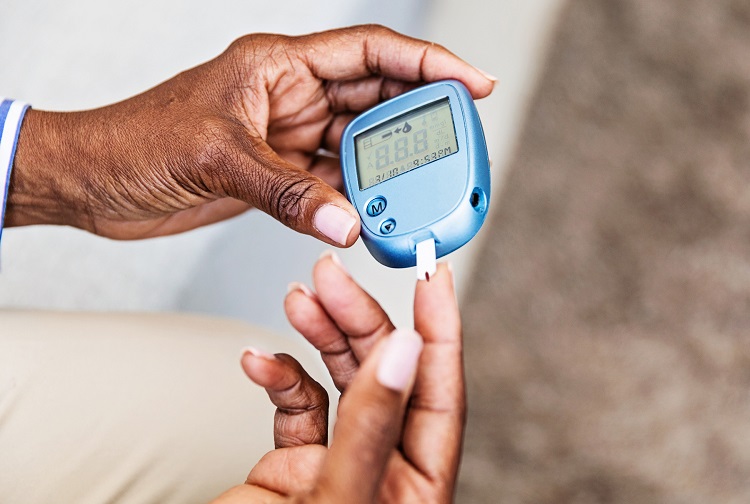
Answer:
(287, 142)
(307, 315)
(332, 138)
(328, 169)
(351, 308)
(293, 196)
(342, 321)
(302, 403)
(325, 166)
(184, 220)
(361, 51)
(370, 419)
(360, 94)
(434, 427)
(289, 471)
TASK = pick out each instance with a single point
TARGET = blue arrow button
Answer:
(387, 226)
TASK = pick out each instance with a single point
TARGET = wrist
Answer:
(52, 153)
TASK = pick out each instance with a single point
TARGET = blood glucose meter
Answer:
(416, 169)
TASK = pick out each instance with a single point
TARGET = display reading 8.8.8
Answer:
(404, 143)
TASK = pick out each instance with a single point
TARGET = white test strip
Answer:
(426, 260)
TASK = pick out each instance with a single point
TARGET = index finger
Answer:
(432, 434)
(342, 321)
(361, 51)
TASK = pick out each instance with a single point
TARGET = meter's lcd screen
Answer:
(404, 143)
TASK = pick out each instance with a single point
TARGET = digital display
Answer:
(409, 141)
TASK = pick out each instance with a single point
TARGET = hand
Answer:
(255, 127)
(381, 452)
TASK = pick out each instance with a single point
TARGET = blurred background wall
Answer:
(608, 319)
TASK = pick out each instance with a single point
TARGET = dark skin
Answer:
(259, 127)
(384, 449)
(250, 128)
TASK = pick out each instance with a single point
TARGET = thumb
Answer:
(371, 416)
(293, 196)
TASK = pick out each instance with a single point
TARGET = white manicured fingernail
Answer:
(297, 286)
(334, 222)
(488, 75)
(257, 353)
(336, 260)
(398, 363)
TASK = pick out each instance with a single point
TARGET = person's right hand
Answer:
(384, 448)
(245, 129)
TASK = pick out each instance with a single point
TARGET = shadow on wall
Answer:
(607, 339)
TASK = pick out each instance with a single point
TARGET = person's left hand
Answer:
(245, 129)
(348, 326)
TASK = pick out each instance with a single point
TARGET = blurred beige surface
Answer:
(130, 408)
(608, 321)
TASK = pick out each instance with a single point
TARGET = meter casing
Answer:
(446, 199)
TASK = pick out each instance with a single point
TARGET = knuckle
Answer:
(214, 144)
(245, 43)
(214, 156)
(375, 29)
(289, 197)
(258, 46)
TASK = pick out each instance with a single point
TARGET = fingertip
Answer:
(353, 235)
(300, 287)
(330, 275)
(484, 86)
(335, 260)
(443, 273)
(446, 268)
(258, 365)
(488, 76)
(297, 303)
(436, 313)
(256, 352)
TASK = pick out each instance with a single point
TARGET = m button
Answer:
(376, 206)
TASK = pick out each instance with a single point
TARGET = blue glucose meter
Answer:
(416, 168)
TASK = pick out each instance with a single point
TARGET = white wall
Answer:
(86, 53)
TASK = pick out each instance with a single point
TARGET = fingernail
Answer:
(487, 75)
(334, 222)
(257, 353)
(297, 286)
(399, 359)
(336, 260)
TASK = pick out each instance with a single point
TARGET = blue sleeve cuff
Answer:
(11, 117)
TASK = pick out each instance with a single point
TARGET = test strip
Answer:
(426, 260)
